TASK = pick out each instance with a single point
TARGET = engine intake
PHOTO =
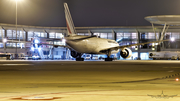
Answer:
(75, 54)
(151, 54)
(126, 53)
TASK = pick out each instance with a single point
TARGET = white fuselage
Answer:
(91, 45)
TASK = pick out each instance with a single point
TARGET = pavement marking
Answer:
(171, 67)
(13, 64)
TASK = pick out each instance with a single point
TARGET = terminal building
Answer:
(124, 35)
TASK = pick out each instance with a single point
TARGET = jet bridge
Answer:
(166, 20)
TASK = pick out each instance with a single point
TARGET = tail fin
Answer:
(69, 22)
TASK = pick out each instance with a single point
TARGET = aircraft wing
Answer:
(54, 45)
(122, 47)
(38, 43)
(16, 41)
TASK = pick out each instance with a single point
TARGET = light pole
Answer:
(16, 30)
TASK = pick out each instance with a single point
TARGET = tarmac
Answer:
(124, 80)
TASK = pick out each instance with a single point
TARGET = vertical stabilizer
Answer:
(69, 22)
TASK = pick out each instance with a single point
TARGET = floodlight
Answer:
(177, 79)
(39, 48)
(172, 39)
(32, 48)
(136, 47)
(4, 40)
(36, 41)
(63, 40)
(153, 44)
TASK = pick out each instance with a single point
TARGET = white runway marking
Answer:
(171, 67)
(14, 64)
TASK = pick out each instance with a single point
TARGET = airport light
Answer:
(153, 46)
(4, 40)
(32, 48)
(177, 79)
(136, 47)
(172, 39)
(39, 48)
(16, 26)
(36, 41)
(63, 40)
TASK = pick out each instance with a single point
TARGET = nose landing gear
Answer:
(108, 56)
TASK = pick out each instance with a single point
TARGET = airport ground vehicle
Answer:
(5, 56)
(35, 57)
(87, 56)
(165, 55)
(21, 56)
(95, 57)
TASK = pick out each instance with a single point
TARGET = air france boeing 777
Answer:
(92, 45)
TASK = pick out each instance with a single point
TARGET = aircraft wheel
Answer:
(79, 59)
(108, 59)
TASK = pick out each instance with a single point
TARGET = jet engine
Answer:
(126, 53)
(75, 54)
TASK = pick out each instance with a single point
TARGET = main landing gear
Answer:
(108, 59)
(108, 56)
(79, 57)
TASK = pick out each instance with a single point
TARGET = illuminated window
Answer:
(103, 35)
(59, 35)
(1, 45)
(134, 35)
(119, 37)
(52, 35)
(22, 35)
(1, 34)
(127, 35)
(151, 36)
(9, 34)
(13, 45)
(43, 34)
(175, 35)
(110, 36)
(30, 35)
(37, 34)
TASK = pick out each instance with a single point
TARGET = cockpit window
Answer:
(111, 41)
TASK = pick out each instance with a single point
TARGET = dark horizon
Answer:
(86, 13)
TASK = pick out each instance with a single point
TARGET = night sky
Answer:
(86, 13)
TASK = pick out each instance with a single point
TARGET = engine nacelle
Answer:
(126, 53)
(75, 54)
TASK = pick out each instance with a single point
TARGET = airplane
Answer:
(79, 44)
(162, 96)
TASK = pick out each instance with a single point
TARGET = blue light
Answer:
(36, 41)
(32, 48)
(39, 48)
(119, 40)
